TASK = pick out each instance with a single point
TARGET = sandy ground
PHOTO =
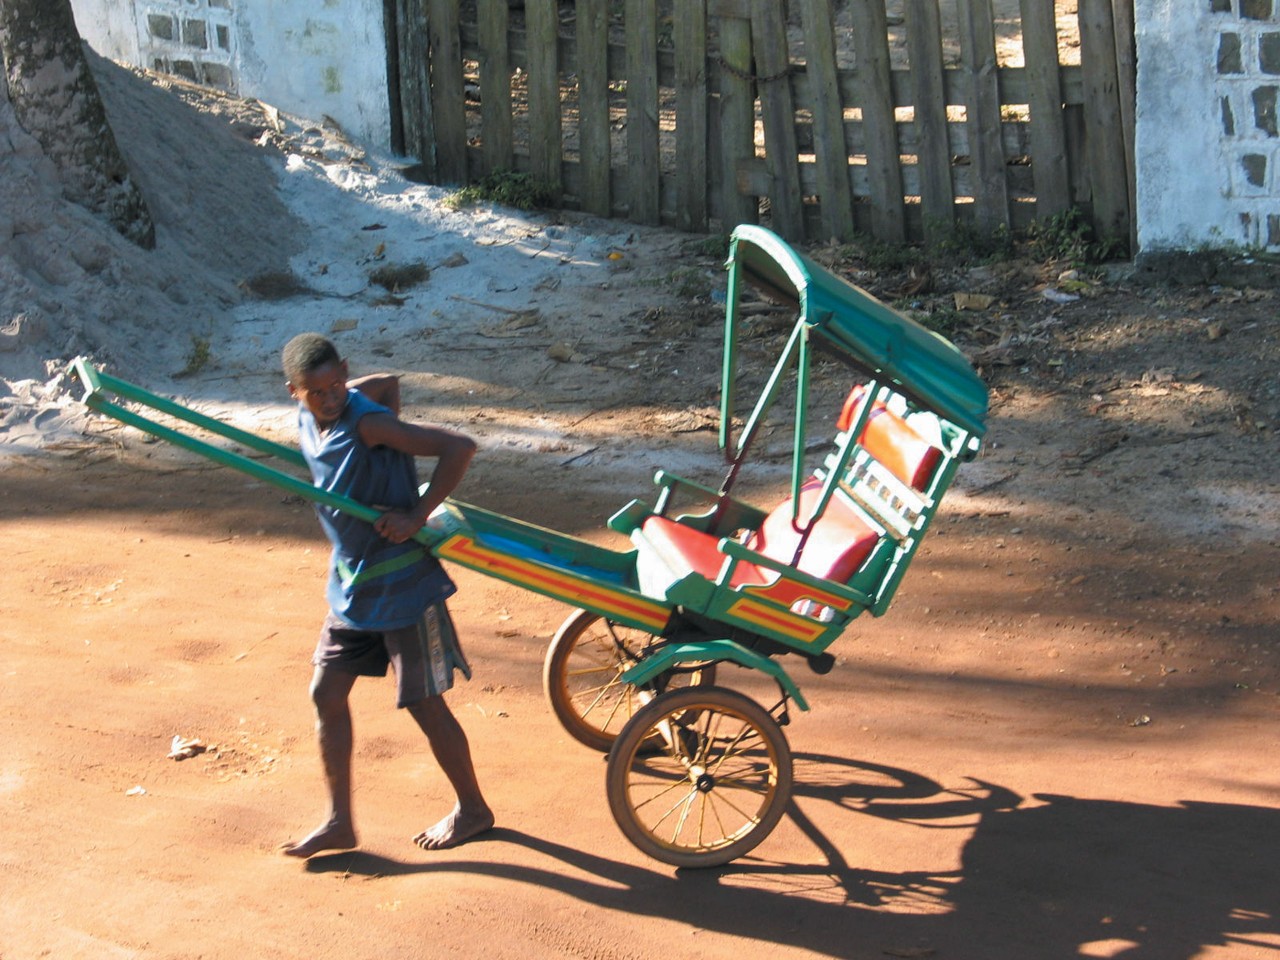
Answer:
(1060, 742)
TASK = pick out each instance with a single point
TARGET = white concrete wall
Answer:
(1208, 157)
(312, 59)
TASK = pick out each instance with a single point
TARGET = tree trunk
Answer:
(56, 100)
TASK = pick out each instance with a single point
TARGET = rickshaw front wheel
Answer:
(714, 787)
(582, 677)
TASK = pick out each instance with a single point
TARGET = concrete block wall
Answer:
(311, 59)
(1208, 131)
(192, 40)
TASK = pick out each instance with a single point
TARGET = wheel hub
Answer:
(704, 782)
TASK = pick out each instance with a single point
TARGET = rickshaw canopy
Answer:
(890, 347)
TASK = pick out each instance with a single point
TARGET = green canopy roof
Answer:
(923, 365)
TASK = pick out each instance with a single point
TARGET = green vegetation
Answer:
(510, 188)
(966, 242)
(713, 245)
(1069, 236)
(198, 356)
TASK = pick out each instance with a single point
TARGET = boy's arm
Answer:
(381, 388)
(452, 451)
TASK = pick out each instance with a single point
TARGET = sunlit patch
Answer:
(1106, 948)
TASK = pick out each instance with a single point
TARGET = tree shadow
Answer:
(1044, 877)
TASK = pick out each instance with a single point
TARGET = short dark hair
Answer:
(305, 353)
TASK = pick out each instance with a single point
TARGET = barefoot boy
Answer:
(386, 593)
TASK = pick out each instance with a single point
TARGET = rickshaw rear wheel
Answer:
(714, 790)
(582, 677)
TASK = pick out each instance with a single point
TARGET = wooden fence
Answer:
(700, 114)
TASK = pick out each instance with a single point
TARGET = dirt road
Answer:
(1060, 742)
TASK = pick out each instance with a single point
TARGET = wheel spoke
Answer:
(719, 788)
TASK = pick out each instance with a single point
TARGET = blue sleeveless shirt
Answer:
(373, 584)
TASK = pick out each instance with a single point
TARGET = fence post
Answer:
(879, 126)
(928, 95)
(495, 85)
(1127, 70)
(1104, 136)
(830, 148)
(415, 81)
(595, 152)
(644, 169)
(447, 106)
(691, 114)
(982, 115)
(777, 109)
(1049, 170)
(737, 116)
(542, 26)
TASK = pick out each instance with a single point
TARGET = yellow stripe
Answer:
(776, 621)
(554, 582)
(783, 587)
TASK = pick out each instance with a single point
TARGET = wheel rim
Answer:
(592, 677)
(583, 677)
(715, 789)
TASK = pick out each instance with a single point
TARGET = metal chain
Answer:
(748, 75)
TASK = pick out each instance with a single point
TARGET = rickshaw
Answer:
(698, 773)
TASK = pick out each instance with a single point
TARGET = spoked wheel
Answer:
(582, 677)
(715, 788)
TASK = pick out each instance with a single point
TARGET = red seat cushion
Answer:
(836, 548)
(837, 545)
(686, 551)
(891, 440)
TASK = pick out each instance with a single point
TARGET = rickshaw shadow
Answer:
(1044, 876)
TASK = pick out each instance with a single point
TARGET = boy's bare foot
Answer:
(458, 827)
(327, 836)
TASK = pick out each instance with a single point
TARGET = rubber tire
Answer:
(698, 710)
(555, 680)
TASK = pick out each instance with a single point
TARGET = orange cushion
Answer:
(891, 440)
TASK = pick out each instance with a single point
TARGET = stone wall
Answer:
(1208, 138)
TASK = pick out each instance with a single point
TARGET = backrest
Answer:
(892, 442)
(836, 546)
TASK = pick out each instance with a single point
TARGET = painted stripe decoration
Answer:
(796, 627)
(559, 584)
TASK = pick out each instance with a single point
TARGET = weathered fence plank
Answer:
(874, 93)
(777, 110)
(1104, 135)
(830, 152)
(644, 160)
(737, 117)
(982, 114)
(415, 86)
(447, 106)
(495, 85)
(720, 123)
(594, 151)
(691, 114)
(542, 24)
(1127, 75)
(1044, 100)
(933, 152)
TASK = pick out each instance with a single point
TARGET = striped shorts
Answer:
(424, 654)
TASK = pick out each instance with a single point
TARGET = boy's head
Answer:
(306, 353)
(316, 375)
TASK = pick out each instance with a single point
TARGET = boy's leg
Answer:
(448, 742)
(329, 692)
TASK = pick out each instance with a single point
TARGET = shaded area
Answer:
(1040, 877)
